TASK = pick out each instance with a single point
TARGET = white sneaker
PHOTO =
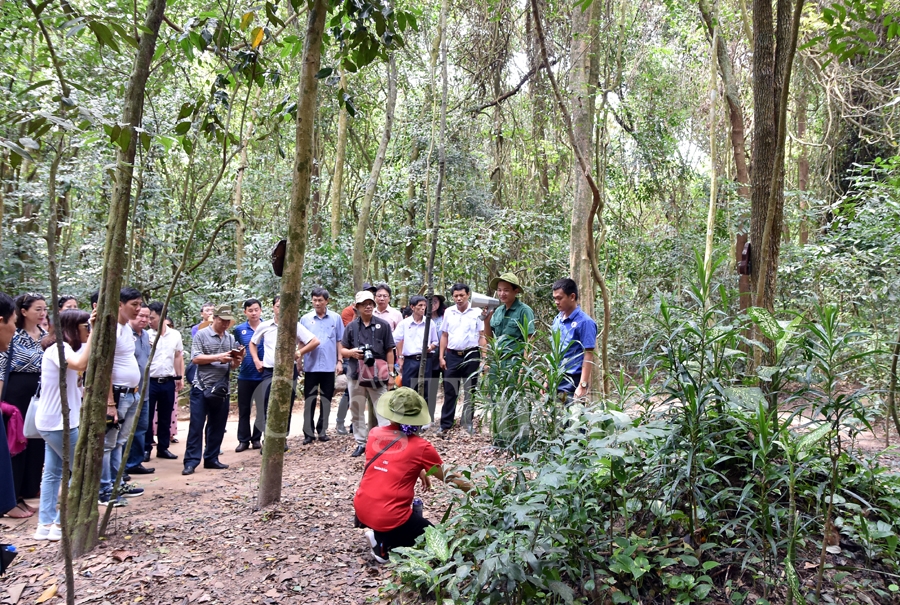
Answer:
(375, 549)
(55, 533)
(43, 531)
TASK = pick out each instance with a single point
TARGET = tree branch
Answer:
(513, 91)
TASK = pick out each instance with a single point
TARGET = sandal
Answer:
(18, 512)
(23, 504)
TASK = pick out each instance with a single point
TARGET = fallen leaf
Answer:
(121, 555)
(47, 594)
(15, 592)
(835, 550)
(273, 593)
(810, 565)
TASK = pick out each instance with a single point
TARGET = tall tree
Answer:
(362, 226)
(283, 379)
(583, 83)
(337, 180)
(775, 43)
(89, 451)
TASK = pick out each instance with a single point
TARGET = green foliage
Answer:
(705, 470)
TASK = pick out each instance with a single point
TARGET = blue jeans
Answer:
(208, 417)
(53, 471)
(115, 442)
(136, 455)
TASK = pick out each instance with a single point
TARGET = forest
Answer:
(720, 177)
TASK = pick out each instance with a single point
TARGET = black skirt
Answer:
(27, 466)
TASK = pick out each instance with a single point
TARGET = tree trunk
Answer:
(410, 224)
(738, 138)
(803, 165)
(584, 75)
(282, 382)
(316, 195)
(438, 193)
(771, 82)
(337, 180)
(359, 239)
(237, 205)
(711, 214)
(536, 90)
(89, 451)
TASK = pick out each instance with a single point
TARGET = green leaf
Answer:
(811, 438)
(562, 591)
(124, 138)
(187, 145)
(34, 86)
(324, 72)
(247, 19)
(145, 140)
(104, 35)
(18, 151)
(185, 111)
(690, 560)
(437, 543)
(767, 324)
(182, 128)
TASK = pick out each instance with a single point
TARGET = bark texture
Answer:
(584, 76)
(337, 181)
(282, 381)
(82, 503)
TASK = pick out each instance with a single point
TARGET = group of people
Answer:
(375, 345)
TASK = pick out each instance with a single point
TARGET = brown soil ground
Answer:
(201, 538)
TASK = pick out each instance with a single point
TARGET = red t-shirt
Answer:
(384, 497)
(348, 315)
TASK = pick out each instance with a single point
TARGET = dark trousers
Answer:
(207, 416)
(405, 535)
(245, 391)
(136, 454)
(268, 373)
(27, 466)
(411, 378)
(317, 385)
(461, 374)
(160, 399)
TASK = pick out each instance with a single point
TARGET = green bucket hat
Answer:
(404, 406)
(509, 278)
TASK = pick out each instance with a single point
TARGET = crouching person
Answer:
(396, 457)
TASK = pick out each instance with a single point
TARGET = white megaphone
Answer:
(482, 301)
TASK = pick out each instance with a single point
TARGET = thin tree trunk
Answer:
(237, 205)
(711, 215)
(362, 226)
(442, 169)
(337, 180)
(89, 451)
(584, 76)
(282, 382)
(52, 229)
(598, 203)
(410, 223)
(803, 164)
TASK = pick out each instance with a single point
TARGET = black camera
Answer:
(368, 355)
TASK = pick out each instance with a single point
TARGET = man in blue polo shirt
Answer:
(321, 365)
(249, 378)
(578, 338)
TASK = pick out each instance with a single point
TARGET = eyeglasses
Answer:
(86, 326)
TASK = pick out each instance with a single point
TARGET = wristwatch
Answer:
(583, 385)
(393, 374)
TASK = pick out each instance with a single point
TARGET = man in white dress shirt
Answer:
(462, 340)
(409, 336)
(166, 380)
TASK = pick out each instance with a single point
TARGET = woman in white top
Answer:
(76, 335)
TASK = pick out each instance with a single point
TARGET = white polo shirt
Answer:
(125, 370)
(268, 330)
(463, 329)
(163, 364)
(411, 334)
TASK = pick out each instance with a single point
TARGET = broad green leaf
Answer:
(810, 439)
(562, 590)
(436, 542)
(767, 324)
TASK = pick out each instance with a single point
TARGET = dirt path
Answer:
(198, 539)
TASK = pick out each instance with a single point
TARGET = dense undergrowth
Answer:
(705, 477)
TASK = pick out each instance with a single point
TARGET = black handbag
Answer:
(218, 392)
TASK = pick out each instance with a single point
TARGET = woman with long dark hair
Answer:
(76, 336)
(7, 330)
(20, 370)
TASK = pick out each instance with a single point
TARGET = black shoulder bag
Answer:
(356, 522)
